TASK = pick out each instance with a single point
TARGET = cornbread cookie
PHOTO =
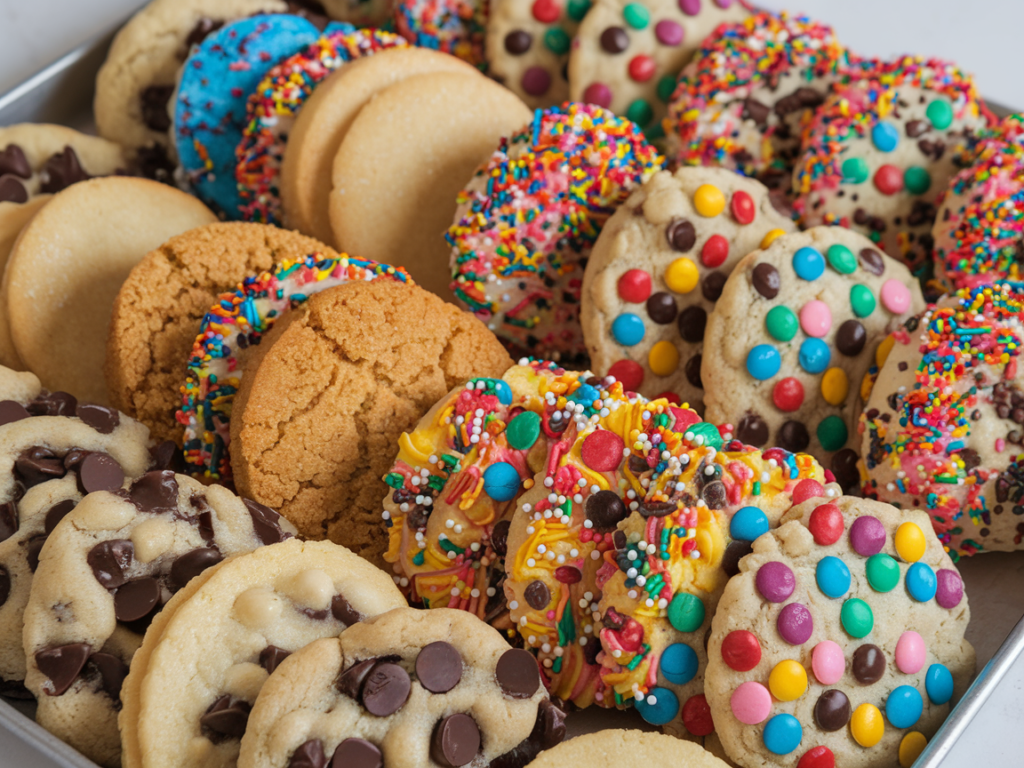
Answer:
(658, 268)
(793, 337)
(407, 688)
(13, 217)
(399, 169)
(850, 608)
(68, 265)
(105, 571)
(189, 692)
(629, 52)
(323, 122)
(943, 425)
(328, 393)
(614, 747)
(158, 310)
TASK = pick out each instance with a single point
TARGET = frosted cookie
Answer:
(325, 119)
(329, 392)
(407, 688)
(849, 609)
(744, 100)
(943, 425)
(115, 560)
(273, 105)
(45, 440)
(234, 324)
(879, 152)
(658, 268)
(13, 218)
(68, 265)
(403, 161)
(979, 228)
(528, 218)
(160, 306)
(458, 27)
(615, 747)
(189, 693)
(794, 334)
(630, 52)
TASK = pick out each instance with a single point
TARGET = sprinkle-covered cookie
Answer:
(273, 105)
(408, 688)
(629, 53)
(658, 268)
(529, 217)
(458, 27)
(840, 642)
(979, 229)
(879, 151)
(944, 423)
(793, 336)
(236, 323)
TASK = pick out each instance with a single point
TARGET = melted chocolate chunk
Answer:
(36, 465)
(271, 658)
(11, 412)
(14, 162)
(136, 599)
(455, 741)
(112, 672)
(266, 522)
(439, 667)
(350, 681)
(103, 420)
(537, 595)
(605, 510)
(309, 755)
(56, 513)
(61, 171)
(189, 565)
(225, 719)
(385, 689)
(517, 673)
(343, 611)
(99, 472)
(499, 537)
(155, 493)
(109, 560)
(62, 665)
(9, 522)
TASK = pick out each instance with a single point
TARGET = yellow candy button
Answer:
(910, 543)
(835, 386)
(911, 747)
(882, 353)
(772, 236)
(682, 275)
(866, 725)
(709, 200)
(663, 358)
(866, 385)
(788, 680)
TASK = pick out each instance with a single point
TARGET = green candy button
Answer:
(857, 619)
(855, 171)
(636, 16)
(917, 180)
(666, 86)
(940, 113)
(522, 432)
(883, 572)
(862, 300)
(640, 111)
(577, 9)
(686, 612)
(842, 259)
(709, 433)
(556, 40)
(832, 433)
(782, 323)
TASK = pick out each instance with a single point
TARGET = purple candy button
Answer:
(775, 581)
(599, 94)
(689, 7)
(950, 588)
(867, 535)
(795, 624)
(668, 32)
(536, 81)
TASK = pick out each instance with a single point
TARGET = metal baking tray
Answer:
(63, 92)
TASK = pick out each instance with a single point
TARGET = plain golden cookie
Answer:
(325, 120)
(331, 388)
(627, 748)
(13, 217)
(404, 160)
(158, 310)
(68, 264)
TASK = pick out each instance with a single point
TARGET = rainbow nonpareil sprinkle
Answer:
(458, 27)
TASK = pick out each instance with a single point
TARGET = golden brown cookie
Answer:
(324, 400)
(158, 310)
(13, 218)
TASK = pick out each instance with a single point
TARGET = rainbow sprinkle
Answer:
(458, 27)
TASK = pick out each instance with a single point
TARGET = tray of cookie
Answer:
(732, 443)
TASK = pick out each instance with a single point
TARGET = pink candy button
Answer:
(816, 318)
(751, 703)
(895, 297)
(910, 653)
(828, 662)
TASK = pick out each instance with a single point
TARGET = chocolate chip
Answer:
(112, 672)
(714, 494)
(9, 521)
(99, 472)
(11, 412)
(756, 111)
(56, 513)
(32, 549)
(832, 710)
(605, 510)
(868, 664)
(655, 508)
(735, 552)
(62, 665)
(680, 235)
(136, 599)
(54, 404)
(692, 371)
(439, 667)
(103, 420)
(153, 101)
(752, 430)
(456, 741)
(343, 611)
(517, 673)
(712, 285)
(386, 689)
(872, 261)
(5, 585)
(167, 455)
(537, 595)
(155, 492)
(109, 560)
(851, 338)
(203, 28)
(499, 537)
(350, 681)
(186, 567)
(309, 755)
(917, 128)
(766, 280)
(61, 171)
(793, 437)
(266, 522)
(661, 308)
(73, 459)
(226, 718)
(614, 40)
(357, 753)
(14, 162)
(203, 516)
(518, 42)
(271, 658)
(36, 465)
(12, 190)
(844, 467)
(692, 321)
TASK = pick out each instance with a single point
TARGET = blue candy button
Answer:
(808, 263)
(833, 576)
(664, 708)
(628, 329)
(885, 136)
(763, 362)
(678, 663)
(748, 523)
(814, 355)
(501, 481)
(938, 683)
(921, 582)
(782, 734)
(904, 706)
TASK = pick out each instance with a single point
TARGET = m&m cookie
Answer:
(658, 268)
(879, 152)
(979, 229)
(840, 642)
(628, 53)
(528, 219)
(458, 27)
(944, 424)
(793, 336)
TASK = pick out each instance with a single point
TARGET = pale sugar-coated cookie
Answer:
(13, 217)
(615, 747)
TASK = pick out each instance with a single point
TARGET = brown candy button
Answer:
(153, 100)
(271, 658)
(793, 436)
(32, 549)
(9, 522)
(832, 710)
(266, 522)
(5, 585)
(350, 681)
(54, 404)
(61, 171)
(112, 672)
(766, 280)
(439, 667)
(537, 595)
(851, 337)
(872, 261)
(99, 472)
(62, 665)
(357, 753)
(386, 689)
(692, 371)
(680, 235)
(499, 537)
(605, 510)
(14, 162)
(344, 612)
(614, 40)
(517, 673)
(11, 411)
(191, 564)
(136, 599)
(155, 492)
(692, 322)
(661, 308)
(518, 42)
(456, 741)
(752, 430)
(36, 465)
(103, 420)
(712, 285)
(309, 755)
(12, 190)
(109, 560)
(735, 552)
(844, 467)
(226, 718)
(56, 513)
(868, 664)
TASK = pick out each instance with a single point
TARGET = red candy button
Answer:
(628, 373)
(546, 11)
(889, 179)
(672, 397)
(714, 252)
(741, 651)
(697, 716)
(742, 207)
(826, 524)
(602, 450)
(641, 68)
(788, 394)
(635, 286)
(817, 757)
(807, 489)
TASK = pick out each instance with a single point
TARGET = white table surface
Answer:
(984, 37)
